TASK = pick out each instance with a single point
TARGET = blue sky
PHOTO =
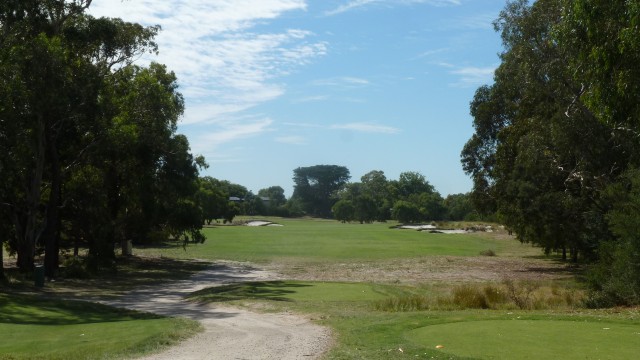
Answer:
(272, 85)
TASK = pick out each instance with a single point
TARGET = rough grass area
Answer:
(507, 295)
(325, 250)
(40, 328)
(363, 331)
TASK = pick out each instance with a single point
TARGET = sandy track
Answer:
(229, 333)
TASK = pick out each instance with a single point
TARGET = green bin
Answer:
(38, 276)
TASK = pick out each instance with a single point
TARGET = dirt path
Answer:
(229, 333)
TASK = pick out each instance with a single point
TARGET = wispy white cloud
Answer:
(342, 82)
(292, 140)
(210, 46)
(366, 127)
(473, 76)
(304, 125)
(229, 131)
(310, 99)
(356, 126)
(429, 53)
(354, 4)
(475, 22)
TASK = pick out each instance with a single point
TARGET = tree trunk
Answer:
(1, 260)
(51, 232)
(564, 253)
(32, 228)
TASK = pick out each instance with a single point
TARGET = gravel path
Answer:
(229, 333)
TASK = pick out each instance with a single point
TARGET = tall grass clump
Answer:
(404, 304)
(509, 294)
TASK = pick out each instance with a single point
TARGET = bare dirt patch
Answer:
(515, 262)
(429, 269)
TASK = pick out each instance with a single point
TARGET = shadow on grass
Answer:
(34, 310)
(257, 290)
(130, 273)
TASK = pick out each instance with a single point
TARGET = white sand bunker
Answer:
(433, 229)
(417, 227)
(261, 223)
(448, 231)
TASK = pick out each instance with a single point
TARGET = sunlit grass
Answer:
(38, 328)
(363, 331)
(309, 240)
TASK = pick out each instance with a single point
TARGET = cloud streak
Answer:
(474, 76)
(210, 46)
(346, 82)
(354, 4)
(229, 131)
(366, 128)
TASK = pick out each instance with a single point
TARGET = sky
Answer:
(273, 85)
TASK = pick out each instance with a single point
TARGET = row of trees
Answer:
(556, 146)
(90, 153)
(410, 199)
(221, 199)
(325, 191)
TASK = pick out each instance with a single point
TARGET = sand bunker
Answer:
(261, 223)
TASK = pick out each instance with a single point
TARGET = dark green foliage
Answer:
(344, 211)
(316, 187)
(374, 198)
(90, 153)
(459, 207)
(559, 128)
(406, 212)
(616, 278)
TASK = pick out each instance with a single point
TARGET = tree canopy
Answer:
(316, 187)
(90, 151)
(559, 126)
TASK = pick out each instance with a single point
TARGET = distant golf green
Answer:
(329, 241)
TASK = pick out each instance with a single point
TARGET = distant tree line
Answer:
(325, 191)
(556, 148)
(410, 199)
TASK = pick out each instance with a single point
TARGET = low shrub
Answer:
(74, 268)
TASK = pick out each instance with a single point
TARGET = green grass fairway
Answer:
(533, 339)
(34, 328)
(307, 240)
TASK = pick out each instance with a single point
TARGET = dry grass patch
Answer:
(506, 295)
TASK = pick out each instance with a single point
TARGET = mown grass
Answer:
(383, 321)
(304, 240)
(41, 328)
